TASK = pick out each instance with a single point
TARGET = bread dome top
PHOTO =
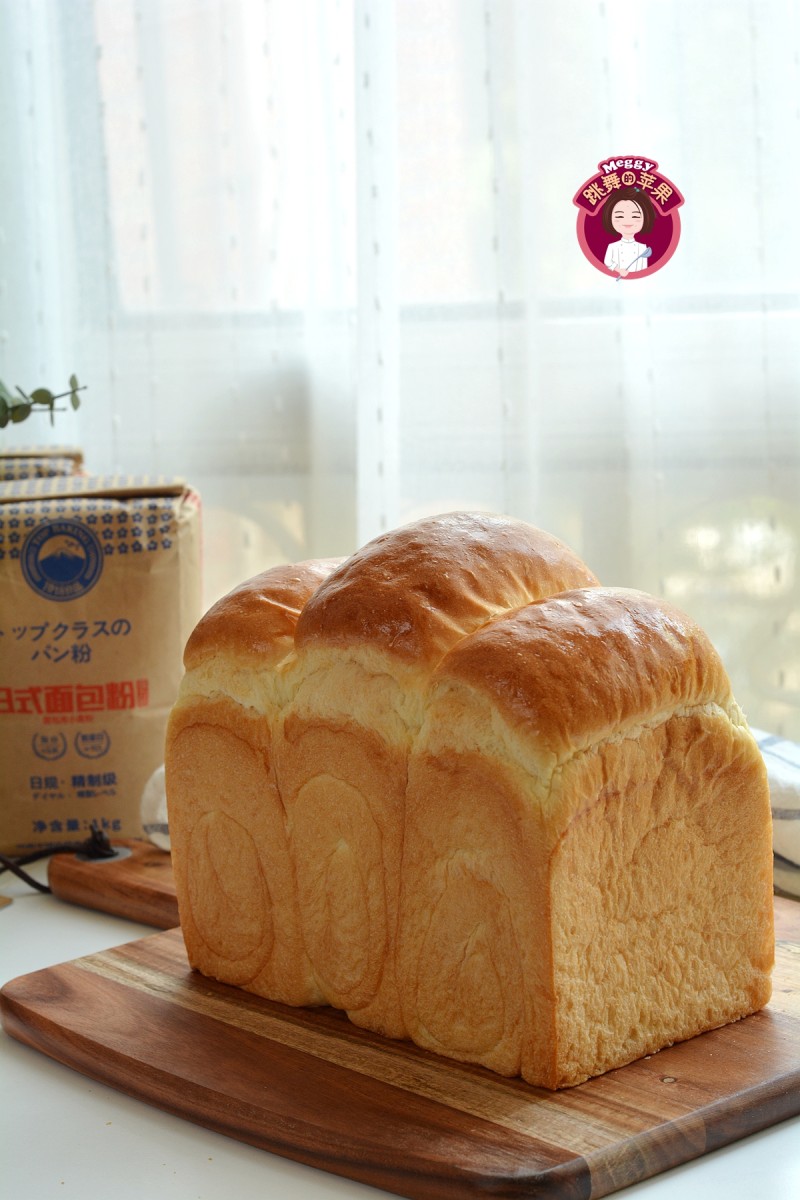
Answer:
(258, 618)
(416, 591)
(573, 668)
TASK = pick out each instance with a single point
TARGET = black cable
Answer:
(24, 860)
(8, 864)
(95, 846)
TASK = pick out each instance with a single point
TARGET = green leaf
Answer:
(43, 396)
(75, 400)
(3, 412)
(5, 393)
(19, 412)
(73, 383)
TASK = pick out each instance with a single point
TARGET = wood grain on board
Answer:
(139, 886)
(307, 1084)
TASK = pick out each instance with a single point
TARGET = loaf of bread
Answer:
(459, 790)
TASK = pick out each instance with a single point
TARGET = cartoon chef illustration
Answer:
(627, 213)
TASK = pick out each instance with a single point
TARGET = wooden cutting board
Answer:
(138, 884)
(309, 1085)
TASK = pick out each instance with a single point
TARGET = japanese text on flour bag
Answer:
(100, 590)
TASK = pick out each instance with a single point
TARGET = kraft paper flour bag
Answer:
(99, 590)
(32, 462)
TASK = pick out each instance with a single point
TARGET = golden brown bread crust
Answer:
(577, 667)
(258, 618)
(414, 592)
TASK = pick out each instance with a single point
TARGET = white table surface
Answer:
(68, 1137)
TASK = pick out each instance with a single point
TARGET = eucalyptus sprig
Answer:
(15, 409)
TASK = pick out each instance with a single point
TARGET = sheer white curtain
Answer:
(320, 257)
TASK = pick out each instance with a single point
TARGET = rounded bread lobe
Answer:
(575, 668)
(258, 617)
(416, 591)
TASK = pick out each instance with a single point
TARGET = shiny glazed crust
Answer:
(414, 592)
(639, 657)
(459, 791)
(258, 618)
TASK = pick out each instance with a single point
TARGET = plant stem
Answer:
(61, 395)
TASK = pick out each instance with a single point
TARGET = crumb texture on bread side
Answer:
(236, 893)
(472, 919)
(661, 892)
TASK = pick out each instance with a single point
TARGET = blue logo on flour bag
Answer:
(49, 746)
(62, 560)
(92, 745)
